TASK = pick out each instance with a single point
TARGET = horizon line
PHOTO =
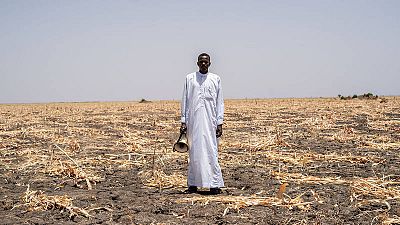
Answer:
(165, 100)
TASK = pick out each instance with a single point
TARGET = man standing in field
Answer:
(202, 117)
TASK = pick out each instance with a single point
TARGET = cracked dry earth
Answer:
(334, 162)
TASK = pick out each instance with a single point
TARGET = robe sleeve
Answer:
(220, 105)
(184, 104)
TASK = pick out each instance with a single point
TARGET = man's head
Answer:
(203, 62)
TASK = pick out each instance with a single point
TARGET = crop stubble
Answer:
(284, 161)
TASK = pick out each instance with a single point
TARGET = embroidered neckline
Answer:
(203, 75)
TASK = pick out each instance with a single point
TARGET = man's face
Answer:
(203, 63)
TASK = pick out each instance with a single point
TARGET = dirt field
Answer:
(284, 161)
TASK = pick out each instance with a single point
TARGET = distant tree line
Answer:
(364, 96)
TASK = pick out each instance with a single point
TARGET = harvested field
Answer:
(284, 161)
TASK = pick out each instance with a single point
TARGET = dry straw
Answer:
(387, 220)
(265, 135)
(37, 200)
(239, 202)
(75, 172)
(158, 179)
(78, 176)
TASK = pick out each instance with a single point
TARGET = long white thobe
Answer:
(202, 110)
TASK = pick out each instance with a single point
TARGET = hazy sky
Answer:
(128, 50)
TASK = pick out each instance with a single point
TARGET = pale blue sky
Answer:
(128, 50)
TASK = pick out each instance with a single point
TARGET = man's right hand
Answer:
(183, 128)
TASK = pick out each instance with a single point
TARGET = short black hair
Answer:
(204, 54)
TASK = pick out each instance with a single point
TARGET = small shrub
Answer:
(143, 101)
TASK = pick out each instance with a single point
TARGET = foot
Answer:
(191, 189)
(215, 191)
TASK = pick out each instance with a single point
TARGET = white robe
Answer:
(202, 110)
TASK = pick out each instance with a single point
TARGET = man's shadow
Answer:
(200, 192)
(204, 193)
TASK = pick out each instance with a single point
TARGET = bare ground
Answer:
(114, 162)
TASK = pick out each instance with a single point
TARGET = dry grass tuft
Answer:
(67, 170)
(385, 220)
(37, 200)
(376, 187)
(380, 190)
(239, 202)
(300, 178)
(74, 146)
(159, 179)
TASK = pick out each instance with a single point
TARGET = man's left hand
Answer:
(219, 130)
